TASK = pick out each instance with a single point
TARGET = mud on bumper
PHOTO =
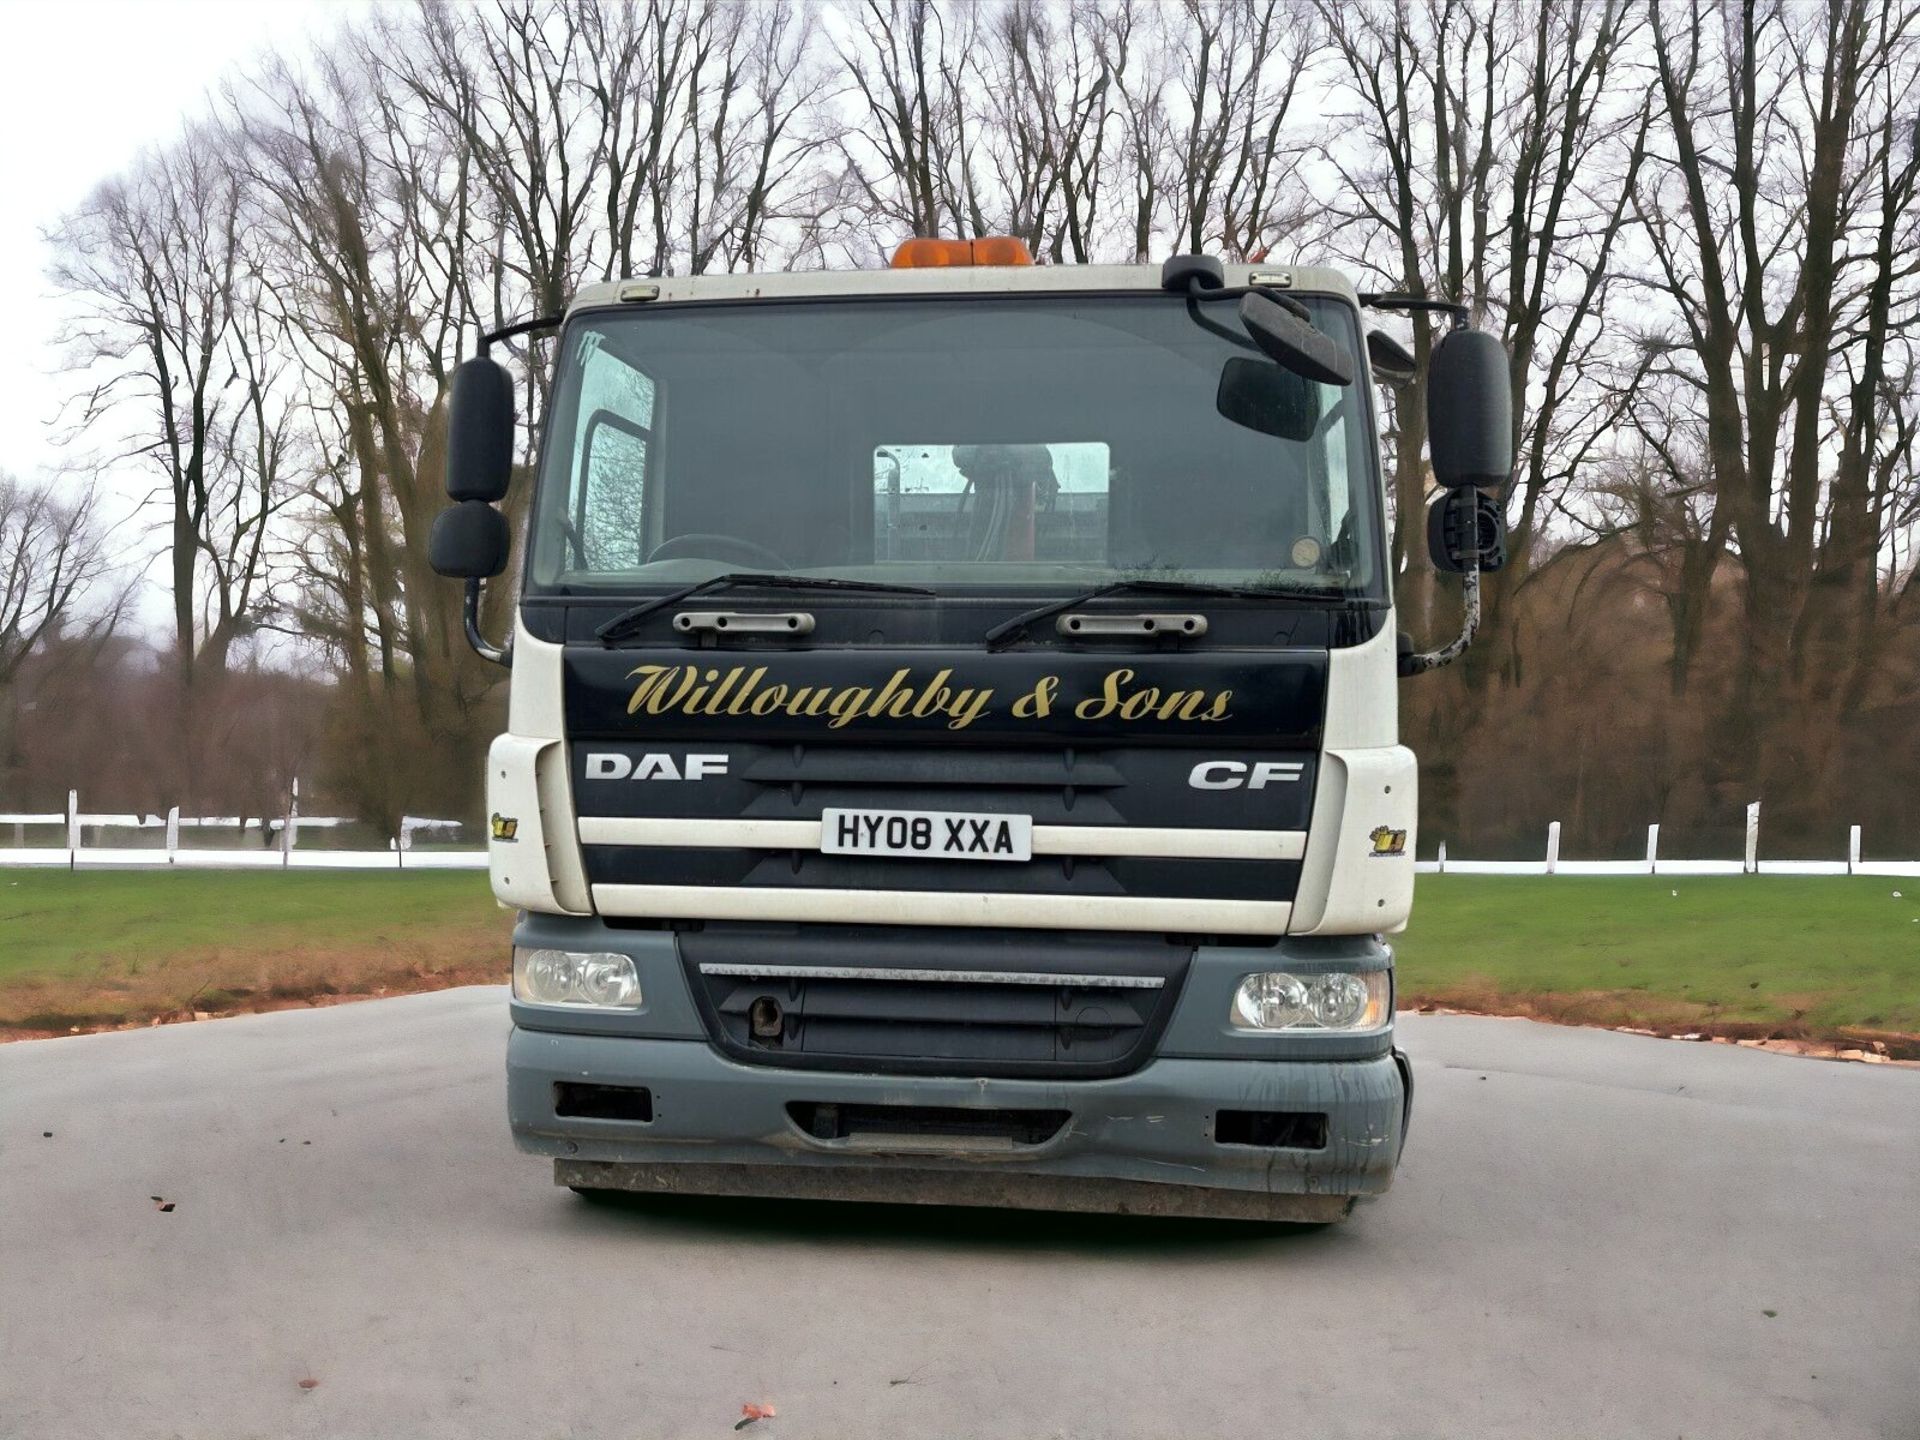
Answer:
(1237, 1138)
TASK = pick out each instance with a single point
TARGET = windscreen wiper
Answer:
(627, 621)
(1008, 631)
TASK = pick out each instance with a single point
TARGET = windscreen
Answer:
(963, 444)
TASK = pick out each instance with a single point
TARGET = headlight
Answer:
(570, 977)
(1340, 1000)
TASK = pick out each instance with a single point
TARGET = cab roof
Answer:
(948, 280)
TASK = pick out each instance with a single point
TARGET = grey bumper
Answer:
(1153, 1128)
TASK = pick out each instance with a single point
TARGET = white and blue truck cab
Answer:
(953, 750)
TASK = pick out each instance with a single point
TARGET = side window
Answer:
(611, 506)
(613, 493)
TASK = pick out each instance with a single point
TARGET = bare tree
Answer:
(1779, 208)
(1232, 175)
(1486, 155)
(54, 563)
(377, 252)
(908, 154)
(156, 268)
(757, 124)
(1047, 101)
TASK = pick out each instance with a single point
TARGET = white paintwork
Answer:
(1366, 779)
(1363, 693)
(1653, 849)
(1093, 841)
(528, 779)
(1345, 887)
(540, 868)
(1753, 837)
(1553, 845)
(534, 696)
(957, 280)
(945, 907)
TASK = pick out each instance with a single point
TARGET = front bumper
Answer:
(1142, 1143)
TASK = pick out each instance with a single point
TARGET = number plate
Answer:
(929, 834)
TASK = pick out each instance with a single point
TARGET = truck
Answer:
(952, 750)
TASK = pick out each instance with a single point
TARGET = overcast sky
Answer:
(90, 83)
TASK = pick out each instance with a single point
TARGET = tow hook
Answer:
(766, 1020)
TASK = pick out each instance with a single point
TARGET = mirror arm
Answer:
(1456, 647)
(523, 327)
(1380, 300)
(470, 613)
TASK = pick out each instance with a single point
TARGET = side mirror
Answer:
(479, 432)
(1263, 397)
(1470, 411)
(1466, 530)
(1290, 341)
(469, 541)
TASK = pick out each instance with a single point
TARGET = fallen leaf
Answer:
(46, 1134)
(1770, 1313)
(308, 1383)
(751, 1412)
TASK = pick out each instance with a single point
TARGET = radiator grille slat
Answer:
(839, 998)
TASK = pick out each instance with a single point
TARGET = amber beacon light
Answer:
(929, 254)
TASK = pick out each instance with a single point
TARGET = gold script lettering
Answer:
(739, 691)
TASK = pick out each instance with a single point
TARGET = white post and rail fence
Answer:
(278, 848)
(1749, 864)
(266, 843)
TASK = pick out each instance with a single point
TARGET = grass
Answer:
(1808, 957)
(89, 949)
(1794, 956)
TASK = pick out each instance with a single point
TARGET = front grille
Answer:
(902, 1000)
(751, 826)
(1105, 784)
(1181, 878)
